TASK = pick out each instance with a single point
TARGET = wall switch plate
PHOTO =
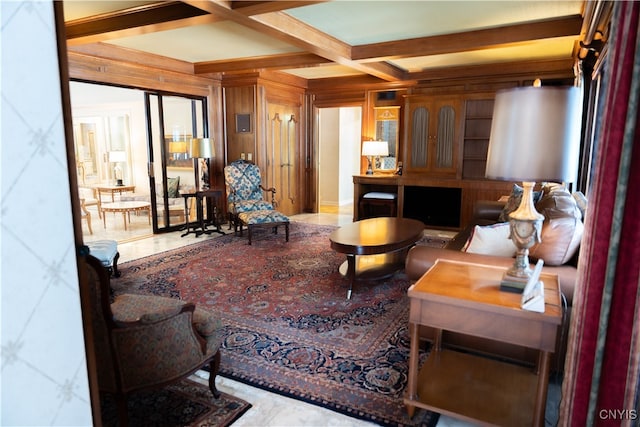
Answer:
(250, 156)
(242, 156)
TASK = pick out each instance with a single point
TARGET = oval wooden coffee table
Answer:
(379, 243)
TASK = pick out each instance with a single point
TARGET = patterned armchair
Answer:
(245, 190)
(245, 202)
(145, 341)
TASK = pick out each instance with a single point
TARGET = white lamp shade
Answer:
(117, 156)
(535, 134)
(201, 148)
(375, 148)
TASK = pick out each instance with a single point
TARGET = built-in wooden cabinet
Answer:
(477, 130)
(433, 135)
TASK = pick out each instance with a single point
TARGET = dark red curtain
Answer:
(601, 373)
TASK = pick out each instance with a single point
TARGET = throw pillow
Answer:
(562, 227)
(172, 187)
(581, 201)
(514, 201)
(491, 240)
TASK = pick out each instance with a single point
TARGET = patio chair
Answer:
(146, 341)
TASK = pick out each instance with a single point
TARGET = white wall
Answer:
(350, 136)
(339, 152)
(44, 377)
(329, 152)
(93, 100)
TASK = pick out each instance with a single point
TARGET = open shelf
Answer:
(476, 389)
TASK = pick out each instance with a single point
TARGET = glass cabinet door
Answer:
(432, 136)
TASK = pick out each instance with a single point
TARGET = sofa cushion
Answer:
(514, 201)
(562, 227)
(491, 240)
(421, 258)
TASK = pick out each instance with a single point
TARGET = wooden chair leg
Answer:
(89, 223)
(121, 405)
(214, 366)
(116, 272)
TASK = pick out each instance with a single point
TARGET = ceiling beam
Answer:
(284, 27)
(258, 7)
(134, 21)
(274, 62)
(468, 41)
(539, 67)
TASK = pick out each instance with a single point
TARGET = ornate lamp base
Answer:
(525, 226)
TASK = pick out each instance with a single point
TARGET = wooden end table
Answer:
(113, 190)
(466, 298)
(383, 240)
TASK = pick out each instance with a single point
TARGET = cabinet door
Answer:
(433, 136)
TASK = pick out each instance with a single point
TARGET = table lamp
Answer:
(371, 149)
(178, 149)
(117, 157)
(201, 150)
(535, 136)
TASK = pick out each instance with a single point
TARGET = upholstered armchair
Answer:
(245, 190)
(145, 341)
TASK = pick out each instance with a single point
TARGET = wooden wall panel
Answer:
(95, 69)
(240, 100)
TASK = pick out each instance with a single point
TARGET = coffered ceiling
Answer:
(390, 40)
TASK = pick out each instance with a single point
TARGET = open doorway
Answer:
(132, 159)
(339, 136)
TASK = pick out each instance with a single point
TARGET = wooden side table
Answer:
(113, 189)
(466, 298)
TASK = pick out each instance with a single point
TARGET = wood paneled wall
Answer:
(259, 93)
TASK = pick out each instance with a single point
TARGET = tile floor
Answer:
(268, 409)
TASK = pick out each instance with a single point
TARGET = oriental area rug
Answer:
(289, 328)
(188, 402)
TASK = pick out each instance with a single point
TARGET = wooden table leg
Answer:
(541, 393)
(412, 383)
(351, 273)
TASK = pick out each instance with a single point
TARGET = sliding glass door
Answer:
(172, 122)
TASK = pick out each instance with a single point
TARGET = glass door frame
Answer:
(154, 149)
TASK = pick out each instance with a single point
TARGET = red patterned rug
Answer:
(289, 327)
(187, 402)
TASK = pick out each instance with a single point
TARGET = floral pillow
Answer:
(173, 184)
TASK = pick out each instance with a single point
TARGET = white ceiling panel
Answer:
(210, 42)
(364, 22)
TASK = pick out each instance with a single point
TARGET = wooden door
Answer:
(283, 167)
